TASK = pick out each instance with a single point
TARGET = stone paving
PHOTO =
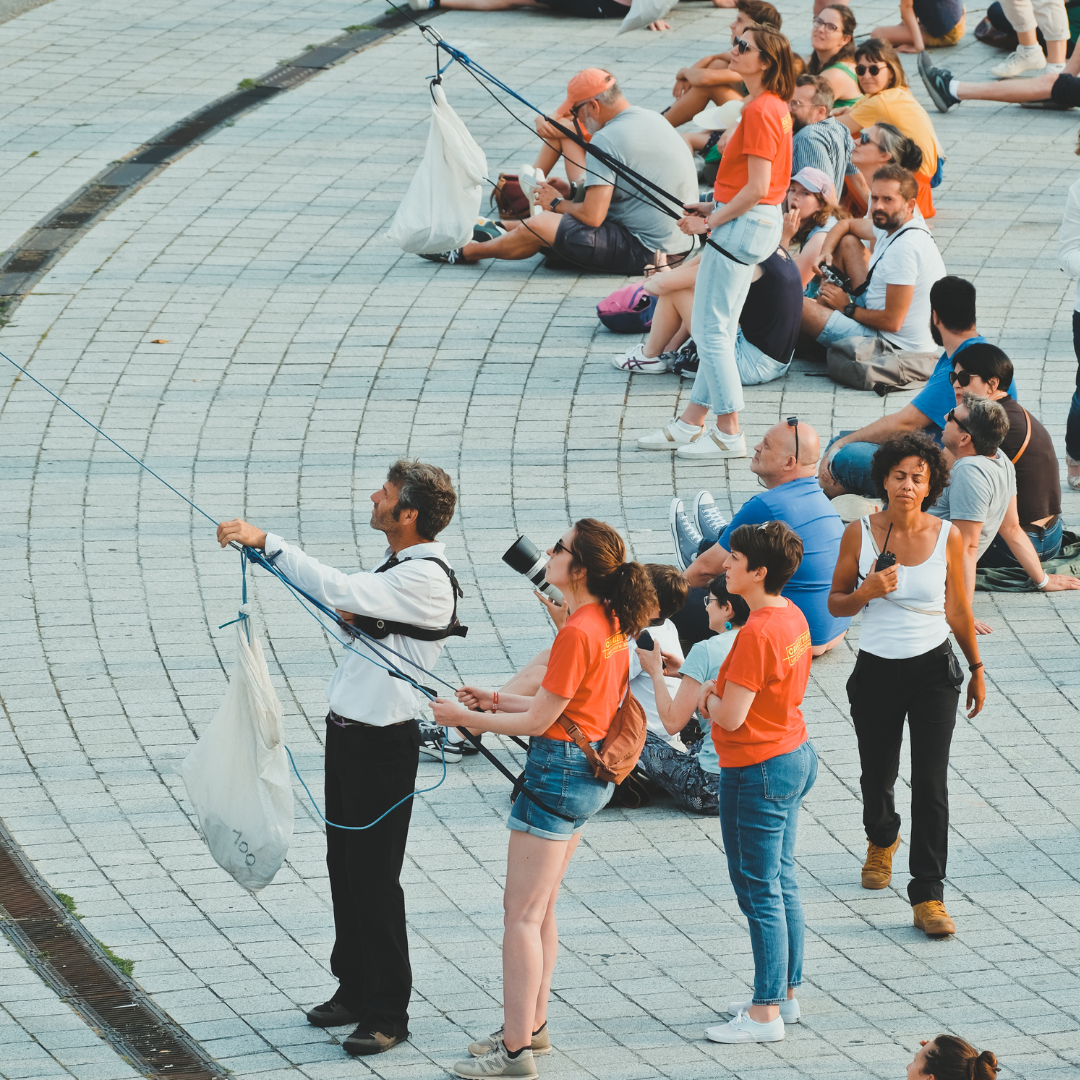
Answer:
(303, 353)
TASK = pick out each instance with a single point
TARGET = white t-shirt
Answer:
(980, 490)
(641, 684)
(908, 257)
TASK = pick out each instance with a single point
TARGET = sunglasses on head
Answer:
(957, 421)
(868, 69)
(961, 378)
(793, 422)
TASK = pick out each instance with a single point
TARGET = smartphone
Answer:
(645, 641)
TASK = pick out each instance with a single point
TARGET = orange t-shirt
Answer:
(589, 664)
(764, 131)
(771, 656)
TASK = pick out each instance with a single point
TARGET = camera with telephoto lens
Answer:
(529, 561)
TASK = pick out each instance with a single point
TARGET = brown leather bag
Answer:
(622, 745)
(507, 196)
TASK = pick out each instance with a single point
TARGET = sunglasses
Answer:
(864, 138)
(560, 546)
(793, 422)
(575, 109)
(741, 45)
(957, 421)
(868, 69)
(960, 378)
(821, 24)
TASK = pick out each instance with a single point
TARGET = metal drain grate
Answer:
(68, 959)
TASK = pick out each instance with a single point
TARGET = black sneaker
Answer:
(685, 534)
(936, 80)
(687, 363)
(435, 744)
(455, 257)
(332, 1014)
(363, 1042)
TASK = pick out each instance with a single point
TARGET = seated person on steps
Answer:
(690, 776)
(819, 141)
(787, 469)
(613, 230)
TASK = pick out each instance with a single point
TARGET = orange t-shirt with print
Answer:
(771, 656)
(764, 131)
(589, 664)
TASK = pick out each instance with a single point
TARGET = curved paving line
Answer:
(38, 250)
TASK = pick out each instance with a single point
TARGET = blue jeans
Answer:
(719, 295)
(1046, 542)
(851, 466)
(759, 813)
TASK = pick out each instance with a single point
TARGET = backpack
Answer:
(507, 196)
(622, 745)
(872, 363)
(628, 310)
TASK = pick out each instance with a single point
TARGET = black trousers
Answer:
(369, 769)
(925, 689)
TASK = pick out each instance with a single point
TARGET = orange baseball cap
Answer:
(584, 85)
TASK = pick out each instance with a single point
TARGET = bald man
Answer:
(785, 462)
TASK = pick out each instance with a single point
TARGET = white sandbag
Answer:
(644, 12)
(237, 775)
(443, 201)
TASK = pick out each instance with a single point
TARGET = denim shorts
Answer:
(559, 774)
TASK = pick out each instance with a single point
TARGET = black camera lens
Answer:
(528, 560)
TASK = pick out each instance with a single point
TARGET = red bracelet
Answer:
(495, 702)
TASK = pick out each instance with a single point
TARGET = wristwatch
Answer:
(555, 202)
(849, 310)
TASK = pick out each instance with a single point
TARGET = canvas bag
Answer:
(628, 310)
(237, 775)
(871, 363)
(443, 201)
(622, 745)
(644, 12)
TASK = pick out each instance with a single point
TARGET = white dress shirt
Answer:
(1069, 254)
(413, 591)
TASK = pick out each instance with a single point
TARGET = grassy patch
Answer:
(126, 966)
(246, 84)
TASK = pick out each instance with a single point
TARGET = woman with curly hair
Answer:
(587, 674)
(904, 570)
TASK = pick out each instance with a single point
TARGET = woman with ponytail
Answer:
(607, 599)
(949, 1057)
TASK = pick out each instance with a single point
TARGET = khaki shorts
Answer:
(951, 38)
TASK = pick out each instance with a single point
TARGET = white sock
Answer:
(690, 429)
(954, 88)
(1028, 49)
(454, 736)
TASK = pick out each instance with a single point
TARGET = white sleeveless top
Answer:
(910, 621)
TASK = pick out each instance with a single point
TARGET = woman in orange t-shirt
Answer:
(767, 765)
(746, 222)
(607, 599)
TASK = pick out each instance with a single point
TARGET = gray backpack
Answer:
(871, 363)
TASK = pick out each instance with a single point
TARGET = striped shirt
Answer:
(827, 146)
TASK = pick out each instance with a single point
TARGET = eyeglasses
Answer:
(957, 421)
(864, 138)
(961, 378)
(710, 600)
(560, 546)
(793, 422)
(575, 109)
(868, 69)
(821, 24)
(741, 45)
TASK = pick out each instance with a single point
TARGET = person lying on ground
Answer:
(785, 462)
(768, 324)
(583, 9)
(892, 302)
(811, 213)
(819, 141)
(614, 230)
(709, 82)
(691, 776)
(925, 24)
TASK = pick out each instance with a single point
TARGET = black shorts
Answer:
(588, 9)
(609, 247)
(1066, 91)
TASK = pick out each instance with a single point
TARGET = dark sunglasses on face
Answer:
(961, 378)
(868, 69)
(560, 546)
(741, 45)
(957, 421)
(865, 139)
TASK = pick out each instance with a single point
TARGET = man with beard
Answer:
(820, 140)
(845, 466)
(614, 229)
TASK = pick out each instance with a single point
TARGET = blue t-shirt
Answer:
(805, 507)
(701, 665)
(937, 397)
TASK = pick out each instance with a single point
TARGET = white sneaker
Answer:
(530, 179)
(741, 1029)
(852, 507)
(497, 1062)
(1018, 62)
(789, 1010)
(715, 444)
(420, 5)
(669, 437)
(636, 362)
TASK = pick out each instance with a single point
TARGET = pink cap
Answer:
(816, 181)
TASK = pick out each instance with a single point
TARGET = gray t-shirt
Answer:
(980, 490)
(648, 144)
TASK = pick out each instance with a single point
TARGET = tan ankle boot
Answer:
(877, 870)
(932, 919)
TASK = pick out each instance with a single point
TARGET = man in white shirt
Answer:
(890, 296)
(372, 738)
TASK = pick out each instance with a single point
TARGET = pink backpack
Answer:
(628, 310)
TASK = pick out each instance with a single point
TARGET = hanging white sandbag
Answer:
(237, 775)
(443, 201)
(644, 12)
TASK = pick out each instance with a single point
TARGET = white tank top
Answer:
(910, 621)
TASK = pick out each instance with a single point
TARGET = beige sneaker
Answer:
(541, 1042)
(669, 437)
(877, 870)
(932, 919)
(497, 1062)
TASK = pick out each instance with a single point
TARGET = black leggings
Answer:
(925, 689)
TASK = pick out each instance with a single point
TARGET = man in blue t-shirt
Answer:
(787, 469)
(845, 468)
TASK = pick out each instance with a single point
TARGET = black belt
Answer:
(344, 721)
(1041, 529)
